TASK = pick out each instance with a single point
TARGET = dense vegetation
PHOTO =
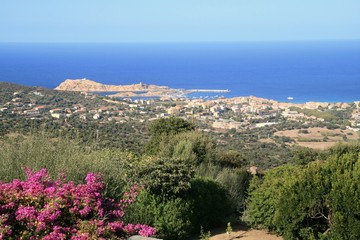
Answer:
(189, 183)
(319, 200)
(191, 179)
(185, 187)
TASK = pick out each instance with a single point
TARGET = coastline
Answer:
(142, 90)
(322, 72)
(132, 90)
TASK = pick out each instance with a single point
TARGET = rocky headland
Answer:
(133, 90)
(86, 85)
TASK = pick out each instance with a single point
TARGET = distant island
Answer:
(132, 90)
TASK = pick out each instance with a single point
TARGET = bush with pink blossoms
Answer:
(40, 208)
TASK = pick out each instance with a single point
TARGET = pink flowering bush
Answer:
(39, 208)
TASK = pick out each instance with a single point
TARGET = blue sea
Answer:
(306, 71)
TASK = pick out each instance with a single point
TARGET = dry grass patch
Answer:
(318, 138)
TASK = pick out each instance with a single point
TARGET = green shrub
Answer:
(172, 217)
(164, 178)
(264, 196)
(164, 127)
(142, 210)
(302, 211)
(204, 235)
(344, 196)
(318, 201)
(303, 155)
(163, 202)
(192, 146)
(234, 181)
(171, 188)
(170, 126)
(231, 158)
(210, 205)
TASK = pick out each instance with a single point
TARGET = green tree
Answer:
(171, 217)
(209, 203)
(231, 158)
(170, 126)
(265, 194)
(192, 146)
(163, 129)
(317, 201)
(344, 196)
(165, 178)
(303, 155)
(234, 181)
(302, 211)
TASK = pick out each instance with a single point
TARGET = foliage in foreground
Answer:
(179, 197)
(318, 201)
(64, 156)
(41, 208)
(175, 201)
(185, 185)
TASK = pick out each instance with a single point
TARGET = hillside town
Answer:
(220, 114)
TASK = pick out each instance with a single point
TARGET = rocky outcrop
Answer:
(86, 85)
(133, 90)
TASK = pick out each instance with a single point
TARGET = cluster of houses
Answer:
(231, 113)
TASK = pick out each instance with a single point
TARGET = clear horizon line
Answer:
(186, 42)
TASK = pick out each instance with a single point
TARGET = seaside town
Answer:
(217, 115)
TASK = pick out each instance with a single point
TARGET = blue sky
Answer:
(178, 20)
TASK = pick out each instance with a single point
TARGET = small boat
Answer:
(290, 98)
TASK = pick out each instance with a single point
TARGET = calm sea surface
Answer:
(306, 71)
